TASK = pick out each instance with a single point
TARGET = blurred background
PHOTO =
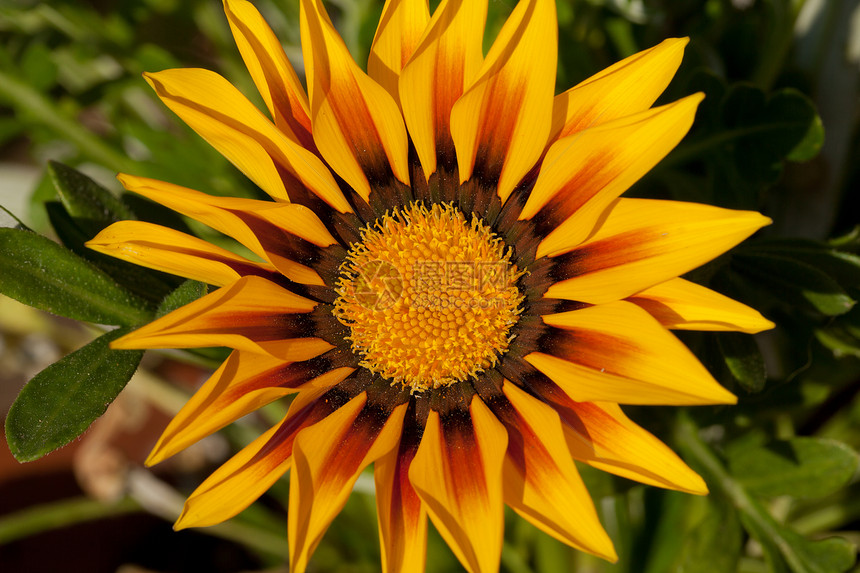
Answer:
(777, 133)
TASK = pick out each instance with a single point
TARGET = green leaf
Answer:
(60, 402)
(841, 265)
(43, 274)
(187, 292)
(743, 359)
(770, 130)
(146, 283)
(800, 467)
(714, 545)
(785, 550)
(811, 143)
(92, 206)
(794, 281)
(38, 67)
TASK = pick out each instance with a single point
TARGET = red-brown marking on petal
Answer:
(574, 194)
(500, 119)
(605, 253)
(288, 105)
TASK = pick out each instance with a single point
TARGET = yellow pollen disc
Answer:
(429, 297)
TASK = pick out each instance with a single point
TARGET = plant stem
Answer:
(55, 515)
(24, 98)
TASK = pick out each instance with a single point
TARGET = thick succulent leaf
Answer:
(41, 273)
(60, 402)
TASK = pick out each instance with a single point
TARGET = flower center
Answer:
(429, 297)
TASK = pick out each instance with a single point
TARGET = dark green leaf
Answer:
(795, 282)
(60, 402)
(187, 292)
(769, 130)
(743, 359)
(800, 467)
(841, 265)
(43, 274)
(842, 335)
(146, 283)
(92, 206)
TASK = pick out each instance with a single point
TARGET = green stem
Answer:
(59, 514)
(24, 98)
(706, 461)
(828, 518)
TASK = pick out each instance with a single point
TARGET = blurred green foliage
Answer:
(779, 76)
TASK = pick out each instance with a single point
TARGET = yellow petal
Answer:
(262, 226)
(583, 173)
(171, 251)
(599, 434)
(617, 352)
(443, 65)
(625, 88)
(400, 29)
(645, 242)
(327, 459)
(357, 125)
(402, 516)
(248, 474)
(244, 382)
(541, 480)
(457, 473)
(501, 125)
(682, 305)
(271, 71)
(242, 315)
(216, 110)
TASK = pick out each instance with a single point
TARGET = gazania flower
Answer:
(448, 281)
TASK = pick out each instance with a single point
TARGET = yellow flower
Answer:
(450, 285)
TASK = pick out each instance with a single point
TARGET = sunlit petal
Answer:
(357, 125)
(501, 124)
(457, 473)
(682, 305)
(644, 242)
(617, 352)
(271, 70)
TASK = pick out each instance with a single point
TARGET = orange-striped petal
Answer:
(327, 459)
(277, 232)
(243, 316)
(502, 123)
(583, 173)
(457, 473)
(400, 29)
(443, 65)
(242, 384)
(171, 251)
(217, 111)
(402, 516)
(617, 352)
(271, 71)
(599, 434)
(248, 474)
(541, 481)
(357, 125)
(627, 87)
(682, 305)
(645, 242)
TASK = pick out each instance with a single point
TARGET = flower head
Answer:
(449, 282)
